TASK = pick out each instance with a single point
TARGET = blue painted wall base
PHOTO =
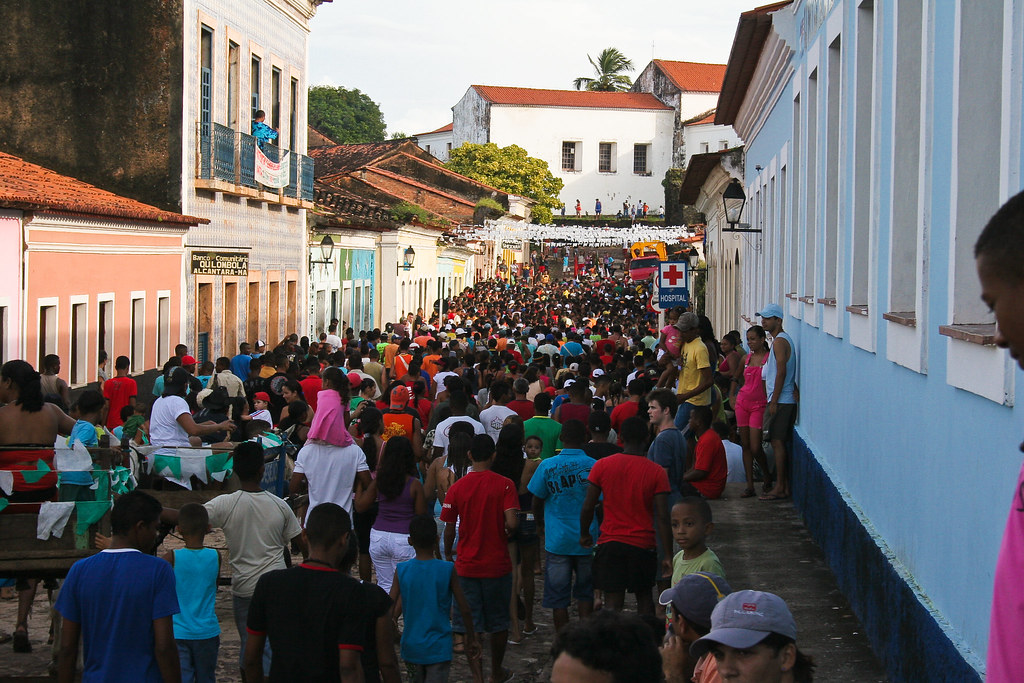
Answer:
(903, 633)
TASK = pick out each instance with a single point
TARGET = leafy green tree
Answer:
(510, 170)
(345, 116)
(608, 68)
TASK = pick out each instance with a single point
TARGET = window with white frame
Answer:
(163, 327)
(977, 148)
(641, 159)
(606, 157)
(138, 334)
(704, 147)
(723, 145)
(233, 56)
(47, 330)
(570, 156)
(832, 161)
(811, 175)
(4, 319)
(862, 145)
(79, 356)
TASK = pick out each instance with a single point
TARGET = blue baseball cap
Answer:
(771, 311)
(745, 618)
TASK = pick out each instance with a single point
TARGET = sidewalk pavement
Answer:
(765, 546)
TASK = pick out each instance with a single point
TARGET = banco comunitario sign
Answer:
(230, 263)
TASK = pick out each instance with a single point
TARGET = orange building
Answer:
(97, 271)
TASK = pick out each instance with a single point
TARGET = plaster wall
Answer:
(437, 144)
(72, 261)
(903, 433)
(542, 130)
(10, 283)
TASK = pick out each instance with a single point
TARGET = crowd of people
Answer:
(520, 429)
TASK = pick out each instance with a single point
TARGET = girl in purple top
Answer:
(399, 495)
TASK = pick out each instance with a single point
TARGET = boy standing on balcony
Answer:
(260, 130)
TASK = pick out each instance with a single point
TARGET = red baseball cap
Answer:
(355, 380)
(188, 360)
(261, 396)
(399, 397)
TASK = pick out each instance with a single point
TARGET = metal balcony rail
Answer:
(228, 155)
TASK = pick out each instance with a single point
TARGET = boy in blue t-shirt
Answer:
(127, 633)
(196, 629)
(427, 637)
(559, 487)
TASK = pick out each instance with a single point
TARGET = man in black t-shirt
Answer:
(315, 616)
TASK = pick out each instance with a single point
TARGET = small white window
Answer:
(704, 148)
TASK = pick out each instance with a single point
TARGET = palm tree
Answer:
(607, 67)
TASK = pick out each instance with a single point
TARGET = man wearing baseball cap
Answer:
(779, 375)
(689, 605)
(753, 640)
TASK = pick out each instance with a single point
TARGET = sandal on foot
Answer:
(21, 642)
(749, 493)
(529, 631)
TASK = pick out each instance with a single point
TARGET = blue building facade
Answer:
(880, 138)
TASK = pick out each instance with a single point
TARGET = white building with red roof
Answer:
(437, 142)
(609, 146)
(691, 88)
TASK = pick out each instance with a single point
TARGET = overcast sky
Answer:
(416, 59)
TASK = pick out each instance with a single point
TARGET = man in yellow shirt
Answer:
(695, 376)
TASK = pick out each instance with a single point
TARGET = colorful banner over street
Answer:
(271, 173)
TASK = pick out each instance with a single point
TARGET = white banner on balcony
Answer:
(271, 173)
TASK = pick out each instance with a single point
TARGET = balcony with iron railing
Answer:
(226, 162)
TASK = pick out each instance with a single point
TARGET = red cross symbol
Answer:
(672, 275)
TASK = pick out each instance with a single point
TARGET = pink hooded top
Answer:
(329, 422)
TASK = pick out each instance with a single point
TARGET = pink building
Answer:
(83, 269)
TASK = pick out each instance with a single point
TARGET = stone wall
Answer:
(93, 90)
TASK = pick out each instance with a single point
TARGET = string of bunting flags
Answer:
(576, 235)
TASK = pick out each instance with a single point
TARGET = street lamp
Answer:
(326, 251)
(733, 200)
(408, 258)
(693, 258)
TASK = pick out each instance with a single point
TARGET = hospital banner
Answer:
(271, 173)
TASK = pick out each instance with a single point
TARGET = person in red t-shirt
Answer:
(119, 391)
(311, 383)
(710, 468)
(635, 489)
(629, 408)
(485, 506)
(522, 406)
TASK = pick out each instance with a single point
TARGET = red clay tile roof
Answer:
(30, 187)
(347, 158)
(751, 34)
(693, 76)
(700, 119)
(570, 98)
(447, 128)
